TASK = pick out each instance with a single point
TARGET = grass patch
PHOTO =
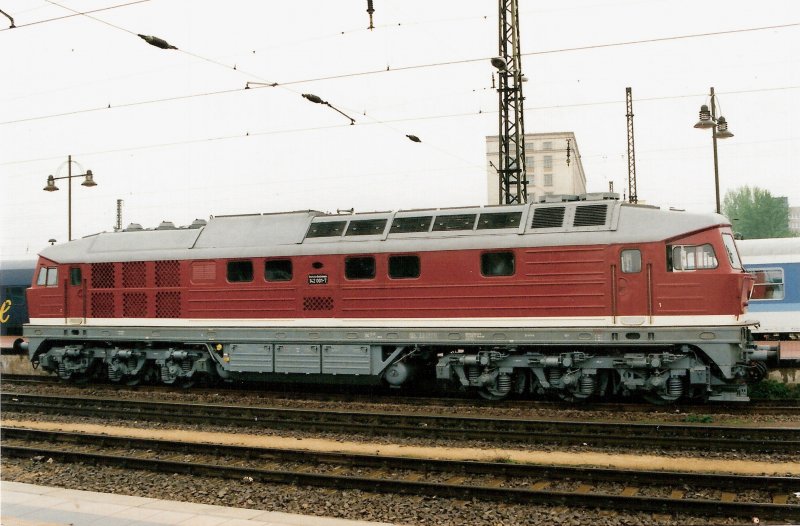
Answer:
(774, 390)
(698, 419)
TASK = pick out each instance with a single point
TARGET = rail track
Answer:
(762, 407)
(664, 492)
(485, 429)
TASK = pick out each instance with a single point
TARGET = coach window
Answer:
(278, 270)
(240, 271)
(631, 261)
(359, 267)
(48, 277)
(403, 267)
(75, 276)
(497, 264)
(768, 285)
(691, 257)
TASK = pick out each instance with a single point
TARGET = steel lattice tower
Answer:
(513, 184)
(632, 197)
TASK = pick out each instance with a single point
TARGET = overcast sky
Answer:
(174, 134)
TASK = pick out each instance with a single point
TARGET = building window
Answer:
(278, 270)
(403, 267)
(631, 261)
(769, 284)
(529, 162)
(497, 264)
(547, 145)
(48, 277)
(240, 271)
(548, 162)
(529, 146)
(359, 267)
(548, 179)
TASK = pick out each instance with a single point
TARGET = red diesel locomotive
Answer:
(590, 297)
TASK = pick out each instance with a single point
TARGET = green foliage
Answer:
(756, 214)
(774, 390)
(698, 419)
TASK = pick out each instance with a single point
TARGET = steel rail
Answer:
(405, 486)
(399, 424)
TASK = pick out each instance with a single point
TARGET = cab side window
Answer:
(48, 277)
(630, 261)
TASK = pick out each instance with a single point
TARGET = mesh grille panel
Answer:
(168, 273)
(168, 304)
(134, 274)
(318, 303)
(102, 275)
(134, 305)
(102, 304)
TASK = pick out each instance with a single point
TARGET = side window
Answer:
(769, 284)
(691, 257)
(359, 267)
(403, 267)
(631, 261)
(240, 271)
(278, 270)
(48, 277)
(75, 276)
(497, 264)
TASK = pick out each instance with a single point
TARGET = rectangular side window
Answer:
(768, 285)
(404, 225)
(41, 280)
(366, 227)
(75, 276)
(630, 261)
(359, 267)
(240, 271)
(454, 222)
(326, 229)
(278, 270)
(403, 267)
(691, 257)
(52, 277)
(499, 220)
(497, 264)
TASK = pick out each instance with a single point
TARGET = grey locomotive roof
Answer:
(287, 234)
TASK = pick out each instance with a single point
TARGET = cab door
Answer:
(631, 286)
(75, 296)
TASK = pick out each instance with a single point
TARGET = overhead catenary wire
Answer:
(75, 13)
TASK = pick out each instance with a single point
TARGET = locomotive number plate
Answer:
(317, 279)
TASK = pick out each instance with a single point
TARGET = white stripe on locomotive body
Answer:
(402, 323)
(284, 235)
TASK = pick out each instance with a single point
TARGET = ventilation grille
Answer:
(134, 275)
(315, 303)
(102, 275)
(590, 215)
(168, 304)
(550, 217)
(168, 273)
(134, 305)
(102, 305)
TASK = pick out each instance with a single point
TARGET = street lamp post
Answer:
(708, 119)
(51, 187)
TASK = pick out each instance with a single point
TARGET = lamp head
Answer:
(51, 184)
(500, 63)
(89, 179)
(705, 118)
(722, 129)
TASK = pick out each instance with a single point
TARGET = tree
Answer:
(756, 214)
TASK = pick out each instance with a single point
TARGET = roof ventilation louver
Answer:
(166, 225)
(133, 227)
(590, 215)
(550, 217)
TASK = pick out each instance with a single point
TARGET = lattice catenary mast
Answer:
(513, 184)
(632, 197)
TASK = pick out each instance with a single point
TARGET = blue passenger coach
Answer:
(775, 301)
